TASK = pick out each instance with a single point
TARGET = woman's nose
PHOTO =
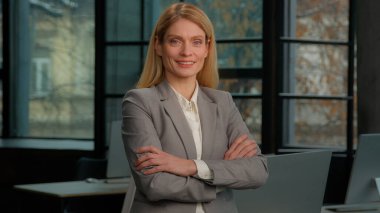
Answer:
(186, 49)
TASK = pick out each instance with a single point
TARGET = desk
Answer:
(61, 193)
(352, 208)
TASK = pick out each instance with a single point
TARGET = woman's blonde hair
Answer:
(153, 72)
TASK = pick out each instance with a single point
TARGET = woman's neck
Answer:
(185, 87)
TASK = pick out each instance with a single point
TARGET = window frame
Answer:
(9, 138)
(348, 98)
(271, 96)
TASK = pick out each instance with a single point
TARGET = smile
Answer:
(186, 62)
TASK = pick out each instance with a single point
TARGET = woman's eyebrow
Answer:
(192, 37)
(198, 36)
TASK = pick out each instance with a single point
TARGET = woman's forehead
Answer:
(185, 27)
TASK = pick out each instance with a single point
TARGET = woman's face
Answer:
(183, 50)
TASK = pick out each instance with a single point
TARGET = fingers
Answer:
(241, 149)
(238, 141)
(148, 156)
(147, 160)
(249, 151)
(151, 160)
(234, 145)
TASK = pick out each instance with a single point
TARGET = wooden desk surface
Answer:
(75, 188)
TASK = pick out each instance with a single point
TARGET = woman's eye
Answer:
(175, 42)
(197, 43)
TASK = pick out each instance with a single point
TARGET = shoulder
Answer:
(139, 92)
(141, 96)
(217, 96)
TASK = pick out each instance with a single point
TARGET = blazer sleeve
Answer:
(138, 130)
(240, 173)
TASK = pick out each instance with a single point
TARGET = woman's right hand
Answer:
(153, 160)
(242, 147)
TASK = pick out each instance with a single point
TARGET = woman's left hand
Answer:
(153, 160)
(242, 147)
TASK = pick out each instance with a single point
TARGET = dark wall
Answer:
(24, 166)
(337, 181)
(368, 66)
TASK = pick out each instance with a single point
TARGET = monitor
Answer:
(366, 167)
(117, 164)
(296, 184)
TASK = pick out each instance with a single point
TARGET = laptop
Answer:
(362, 187)
(117, 164)
(296, 184)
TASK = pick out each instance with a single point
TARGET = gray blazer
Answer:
(153, 116)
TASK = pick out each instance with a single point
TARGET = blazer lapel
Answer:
(173, 109)
(207, 113)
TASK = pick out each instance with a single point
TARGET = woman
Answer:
(186, 143)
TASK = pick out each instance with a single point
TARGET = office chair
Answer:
(129, 197)
(86, 167)
(91, 168)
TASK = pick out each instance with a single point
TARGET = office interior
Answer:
(303, 73)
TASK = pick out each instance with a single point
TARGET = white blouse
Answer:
(190, 109)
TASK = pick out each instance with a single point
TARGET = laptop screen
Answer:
(296, 184)
(362, 187)
(117, 165)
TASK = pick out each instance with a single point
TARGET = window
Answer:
(52, 69)
(289, 65)
(316, 86)
(40, 78)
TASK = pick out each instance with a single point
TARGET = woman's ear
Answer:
(207, 47)
(157, 46)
